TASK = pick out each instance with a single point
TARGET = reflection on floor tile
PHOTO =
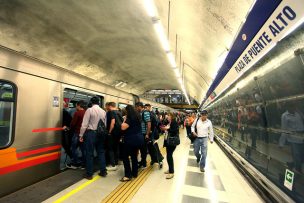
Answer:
(192, 162)
(190, 199)
(201, 180)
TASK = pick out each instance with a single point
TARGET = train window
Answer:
(122, 105)
(7, 112)
(71, 97)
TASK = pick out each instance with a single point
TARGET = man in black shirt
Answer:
(114, 120)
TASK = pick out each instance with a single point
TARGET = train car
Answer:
(32, 94)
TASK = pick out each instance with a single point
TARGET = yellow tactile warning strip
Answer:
(126, 191)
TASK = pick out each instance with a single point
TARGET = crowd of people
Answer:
(119, 135)
(128, 135)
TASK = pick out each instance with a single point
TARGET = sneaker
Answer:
(167, 172)
(112, 168)
(71, 166)
(202, 170)
(103, 174)
(169, 176)
(87, 176)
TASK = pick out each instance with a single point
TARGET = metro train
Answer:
(31, 105)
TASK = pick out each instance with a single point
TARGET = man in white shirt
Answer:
(202, 129)
(88, 134)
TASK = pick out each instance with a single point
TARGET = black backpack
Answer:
(101, 129)
(118, 121)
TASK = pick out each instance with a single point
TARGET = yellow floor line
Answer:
(66, 196)
(126, 191)
(123, 188)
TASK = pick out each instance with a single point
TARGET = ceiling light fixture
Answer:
(124, 84)
(118, 84)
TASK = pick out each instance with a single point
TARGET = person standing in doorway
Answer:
(88, 135)
(202, 129)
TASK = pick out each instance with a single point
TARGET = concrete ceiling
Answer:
(114, 40)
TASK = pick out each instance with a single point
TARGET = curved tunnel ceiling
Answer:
(114, 40)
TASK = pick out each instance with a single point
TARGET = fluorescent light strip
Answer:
(161, 36)
(150, 8)
(152, 12)
(171, 59)
(177, 73)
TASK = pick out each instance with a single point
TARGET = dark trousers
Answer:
(74, 147)
(152, 151)
(143, 154)
(188, 129)
(170, 150)
(113, 142)
(158, 156)
(91, 141)
(130, 151)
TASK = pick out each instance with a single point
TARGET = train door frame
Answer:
(64, 156)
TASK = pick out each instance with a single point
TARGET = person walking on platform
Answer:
(201, 129)
(171, 141)
(132, 142)
(88, 135)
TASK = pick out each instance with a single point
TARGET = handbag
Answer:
(173, 140)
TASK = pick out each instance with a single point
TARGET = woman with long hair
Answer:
(132, 142)
(173, 131)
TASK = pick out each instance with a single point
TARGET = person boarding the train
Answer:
(75, 128)
(88, 135)
(202, 129)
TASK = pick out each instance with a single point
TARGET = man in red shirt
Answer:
(75, 127)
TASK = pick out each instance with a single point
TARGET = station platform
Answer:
(221, 182)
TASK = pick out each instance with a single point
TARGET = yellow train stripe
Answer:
(66, 196)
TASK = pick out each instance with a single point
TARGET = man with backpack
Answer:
(93, 133)
(202, 129)
(153, 148)
(146, 131)
(114, 121)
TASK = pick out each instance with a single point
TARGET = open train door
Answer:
(135, 98)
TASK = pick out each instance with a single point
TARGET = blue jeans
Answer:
(200, 150)
(91, 141)
(74, 146)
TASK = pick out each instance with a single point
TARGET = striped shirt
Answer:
(145, 116)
